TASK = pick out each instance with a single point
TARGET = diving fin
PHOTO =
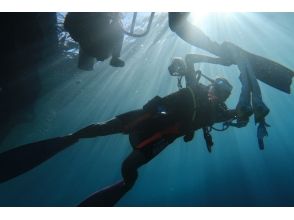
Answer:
(21, 159)
(265, 70)
(106, 197)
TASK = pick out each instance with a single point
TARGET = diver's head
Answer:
(219, 90)
(177, 67)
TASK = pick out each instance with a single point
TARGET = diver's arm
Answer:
(190, 78)
(226, 115)
(191, 59)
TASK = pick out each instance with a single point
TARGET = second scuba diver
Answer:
(251, 66)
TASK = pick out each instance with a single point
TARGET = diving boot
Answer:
(116, 62)
(260, 112)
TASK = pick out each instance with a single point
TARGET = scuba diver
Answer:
(161, 121)
(151, 129)
(99, 35)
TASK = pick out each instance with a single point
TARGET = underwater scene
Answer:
(147, 109)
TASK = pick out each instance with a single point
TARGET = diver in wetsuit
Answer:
(158, 124)
(99, 35)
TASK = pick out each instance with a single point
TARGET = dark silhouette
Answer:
(99, 35)
(159, 123)
(150, 129)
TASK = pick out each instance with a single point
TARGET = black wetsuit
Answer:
(162, 120)
(155, 126)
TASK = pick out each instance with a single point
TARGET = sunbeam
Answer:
(236, 173)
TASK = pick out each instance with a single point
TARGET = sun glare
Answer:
(198, 17)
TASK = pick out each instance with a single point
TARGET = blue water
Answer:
(236, 173)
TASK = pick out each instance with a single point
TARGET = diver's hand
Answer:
(238, 124)
(241, 121)
(261, 133)
(243, 114)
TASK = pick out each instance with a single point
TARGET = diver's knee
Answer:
(128, 169)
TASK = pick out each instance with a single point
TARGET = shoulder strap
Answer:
(194, 102)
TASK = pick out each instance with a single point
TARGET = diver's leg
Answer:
(118, 38)
(120, 124)
(259, 108)
(175, 19)
(109, 196)
(244, 107)
(138, 158)
(85, 62)
(131, 165)
(100, 129)
(191, 34)
(117, 43)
